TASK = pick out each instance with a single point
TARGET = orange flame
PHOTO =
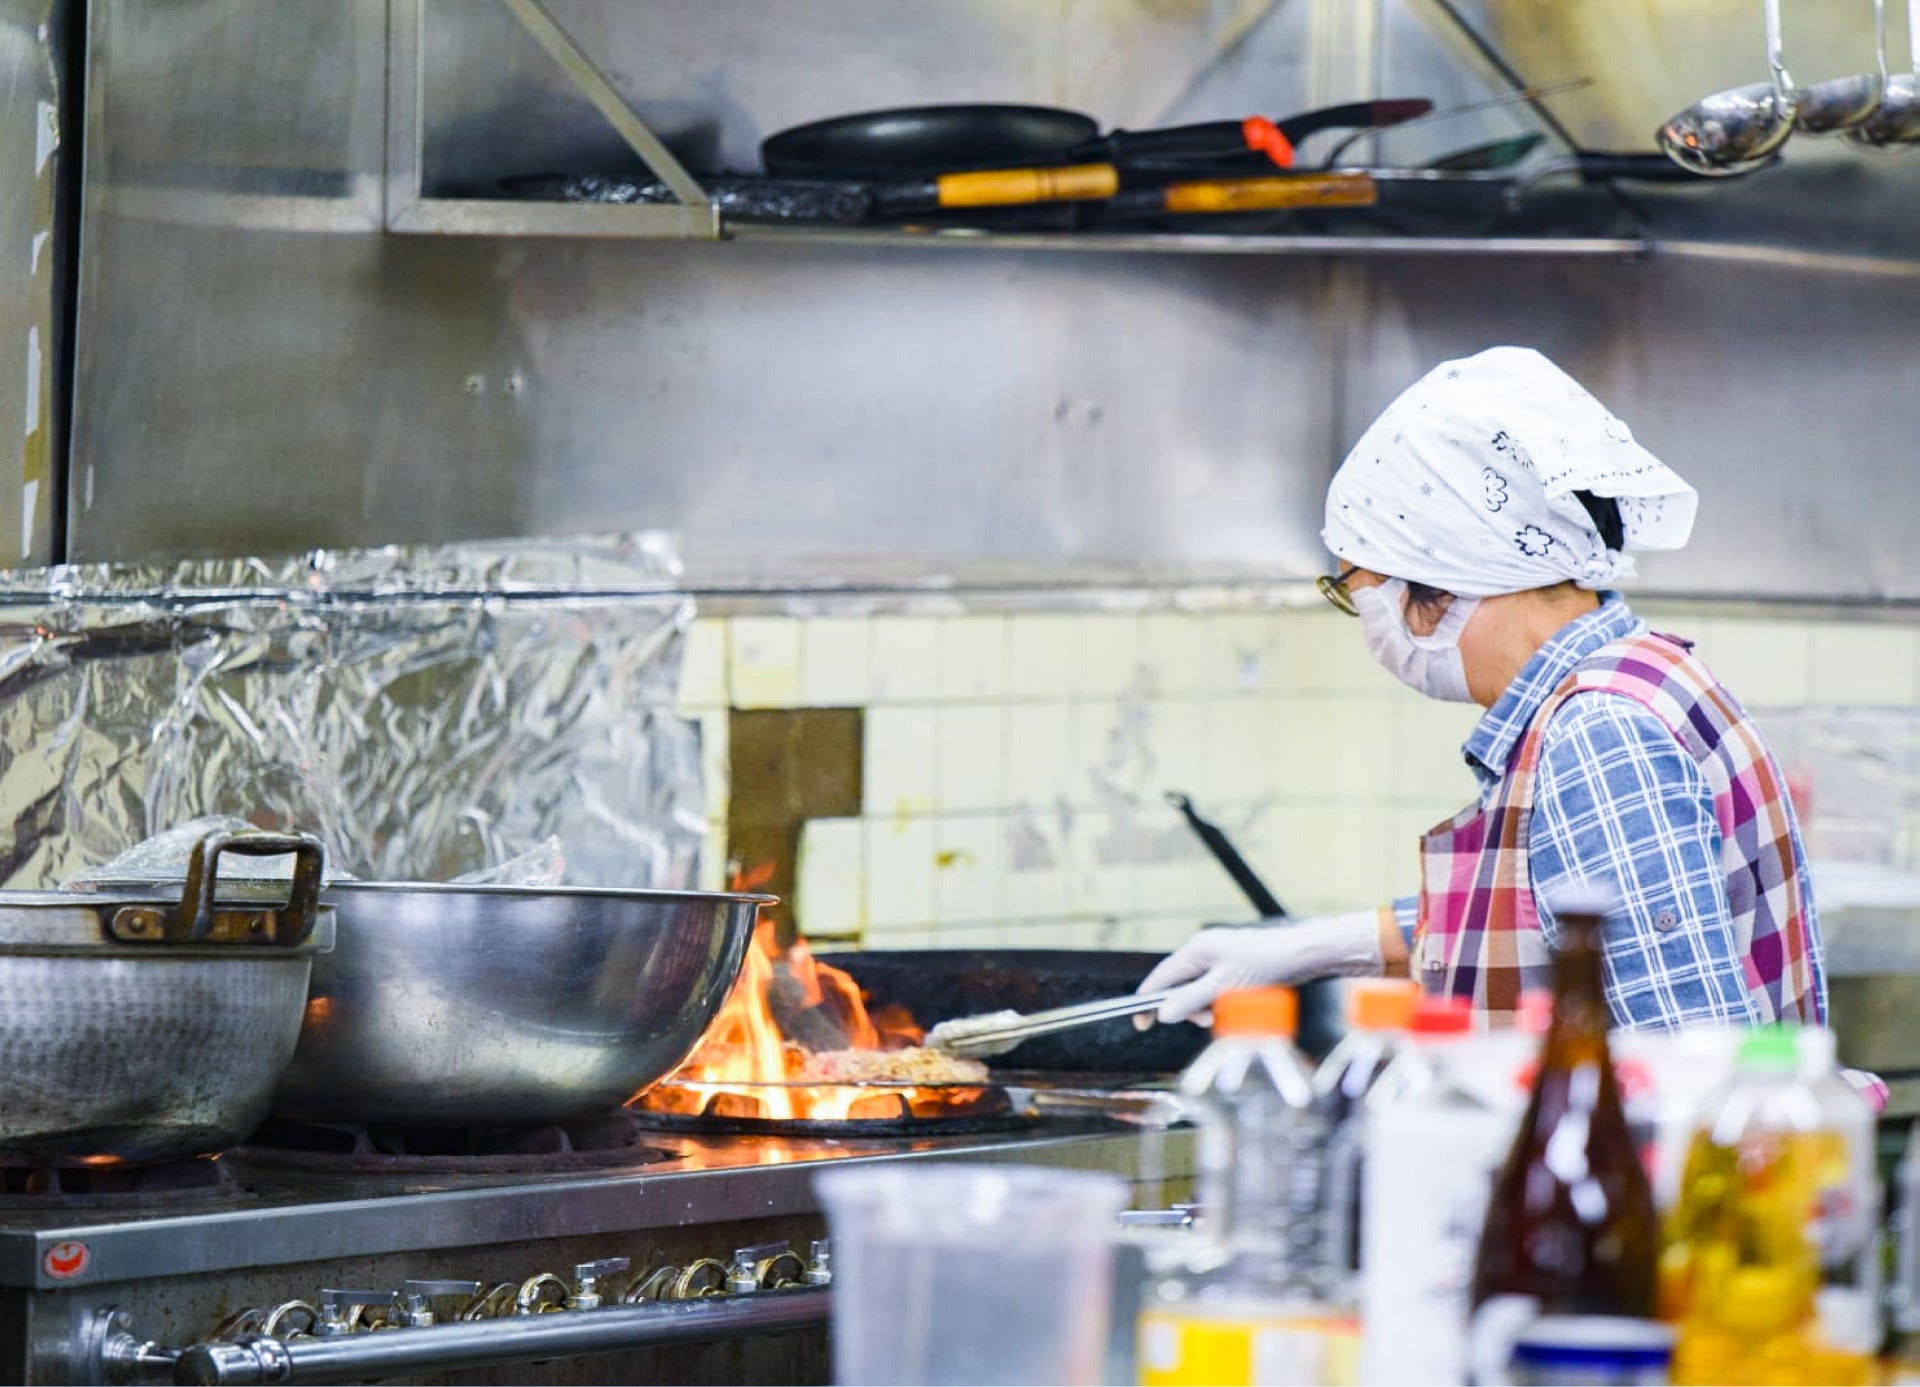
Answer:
(747, 1065)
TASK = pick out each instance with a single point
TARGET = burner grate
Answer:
(871, 1110)
(197, 1180)
(725, 1125)
(609, 1142)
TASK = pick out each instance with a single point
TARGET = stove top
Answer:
(291, 1211)
(610, 1142)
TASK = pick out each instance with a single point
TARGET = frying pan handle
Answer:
(1229, 857)
(1212, 139)
(295, 920)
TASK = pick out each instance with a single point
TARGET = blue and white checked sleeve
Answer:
(1619, 800)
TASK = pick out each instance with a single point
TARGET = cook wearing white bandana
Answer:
(1480, 524)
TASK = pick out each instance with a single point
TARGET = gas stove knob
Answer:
(819, 1270)
(748, 1271)
(416, 1310)
(340, 1308)
(587, 1277)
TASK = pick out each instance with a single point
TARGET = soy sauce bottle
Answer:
(1571, 1231)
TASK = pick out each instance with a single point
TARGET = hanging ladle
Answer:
(1841, 103)
(1895, 123)
(1734, 131)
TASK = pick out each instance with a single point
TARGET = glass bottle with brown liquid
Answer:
(1571, 1229)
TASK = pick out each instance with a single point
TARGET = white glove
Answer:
(1226, 958)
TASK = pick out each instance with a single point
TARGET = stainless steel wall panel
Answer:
(30, 157)
(1787, 396)
(260, 371)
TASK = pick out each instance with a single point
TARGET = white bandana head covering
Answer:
(1465, 483)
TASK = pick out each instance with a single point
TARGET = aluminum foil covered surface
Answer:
(428, 712)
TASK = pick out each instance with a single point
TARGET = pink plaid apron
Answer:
(1478, 934)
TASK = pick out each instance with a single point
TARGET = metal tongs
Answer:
(982, 1037)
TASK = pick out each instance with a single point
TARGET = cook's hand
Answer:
(1226, 958)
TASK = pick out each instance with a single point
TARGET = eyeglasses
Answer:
(1333, 587)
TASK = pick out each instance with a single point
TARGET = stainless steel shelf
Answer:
(1171, 243)
(462, 217)
(588, 221)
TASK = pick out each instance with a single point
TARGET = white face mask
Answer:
(1429, 664)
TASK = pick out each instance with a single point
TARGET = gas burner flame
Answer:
(786, 1007)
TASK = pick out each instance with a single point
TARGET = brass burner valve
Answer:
(413, 1307)
(587, 1277)
(339, 1309)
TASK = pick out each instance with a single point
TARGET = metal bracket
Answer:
(410, 212)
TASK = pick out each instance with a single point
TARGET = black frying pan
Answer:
(940, 984)
(915, 141)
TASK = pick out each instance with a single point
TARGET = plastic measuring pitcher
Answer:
(970, 1273)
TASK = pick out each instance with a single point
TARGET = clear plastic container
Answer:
(1906, 1291)
(1255, 1098)
(1847, 1223)
(1379, 1013)
(1766, 1269)
(953, 1274)
(1242, 1311)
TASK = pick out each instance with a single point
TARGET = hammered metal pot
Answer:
(136, 1026)
(507, 1006)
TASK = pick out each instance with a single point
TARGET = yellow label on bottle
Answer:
(1241, 1346)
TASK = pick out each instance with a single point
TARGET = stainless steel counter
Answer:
(299, 1216)
(178, 1271)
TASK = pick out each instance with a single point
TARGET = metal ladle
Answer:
(1841, 103)
(1895, 123)
(1736, 130)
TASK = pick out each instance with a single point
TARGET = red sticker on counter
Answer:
(64, 1261)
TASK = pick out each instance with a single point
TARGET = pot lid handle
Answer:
(294, 921)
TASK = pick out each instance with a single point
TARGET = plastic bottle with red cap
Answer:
(1437, 1125)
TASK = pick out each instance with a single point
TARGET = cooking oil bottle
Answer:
(1243, 1311)
(1769, 1176)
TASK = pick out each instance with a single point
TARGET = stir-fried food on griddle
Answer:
(913, 1065)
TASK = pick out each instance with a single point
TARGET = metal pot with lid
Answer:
(141, 1025)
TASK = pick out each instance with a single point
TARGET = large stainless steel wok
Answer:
(149, 1023)
(509, 1006)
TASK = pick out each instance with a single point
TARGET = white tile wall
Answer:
(1244, 652)
(1239, 763)
(906, 659)
(969, 870)
(1174, 648)
(1427, 761)
(703, 666)
(765, 662)
(836, 663)
(1040, 656)
(1106, 655)
(898, 761)
(900, 856)
(1041, 753)
(973, 658)
(1858, 664)
(830, 878)
(970, 758)
(1015, 765)
(1764, 664)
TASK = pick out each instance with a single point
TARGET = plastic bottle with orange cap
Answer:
(1242, 1311)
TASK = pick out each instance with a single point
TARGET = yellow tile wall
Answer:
(1015, 764)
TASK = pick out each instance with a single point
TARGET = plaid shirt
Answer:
(1619, 800)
